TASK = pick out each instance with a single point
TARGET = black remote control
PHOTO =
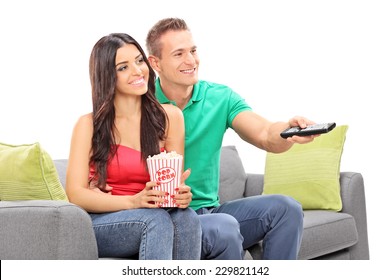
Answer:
(309, 130)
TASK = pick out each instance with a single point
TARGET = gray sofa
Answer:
(61, 230)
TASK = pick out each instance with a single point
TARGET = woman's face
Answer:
(131, 70)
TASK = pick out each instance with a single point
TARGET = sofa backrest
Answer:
(61, 165)
(232, 175)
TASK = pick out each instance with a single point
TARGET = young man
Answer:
(209, 110)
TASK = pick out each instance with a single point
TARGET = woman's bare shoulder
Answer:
(172, 111)
(85, 119)
(84, 123)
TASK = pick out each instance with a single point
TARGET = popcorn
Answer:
(166, 168)
(164, 155)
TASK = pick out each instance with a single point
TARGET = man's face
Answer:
(179, 60)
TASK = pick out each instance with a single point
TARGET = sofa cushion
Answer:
(326, 232)
(309, 173)
(28, 173)
(232, 175)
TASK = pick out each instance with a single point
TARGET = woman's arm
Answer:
(175, 129)
(77, 185)
(175, 142)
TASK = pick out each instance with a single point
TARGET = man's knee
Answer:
(226, 228)
(221, 237)
(292, 209)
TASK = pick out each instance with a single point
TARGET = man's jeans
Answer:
(236, 225)
(149, 233)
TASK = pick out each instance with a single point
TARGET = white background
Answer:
(326, 60)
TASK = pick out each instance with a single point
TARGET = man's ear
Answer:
(154, 62)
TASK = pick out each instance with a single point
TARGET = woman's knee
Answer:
(148, 219)
(187, 220)
(161, 221)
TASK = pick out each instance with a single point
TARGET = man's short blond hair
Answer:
(153, 43)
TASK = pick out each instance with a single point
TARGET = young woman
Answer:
(107, 173)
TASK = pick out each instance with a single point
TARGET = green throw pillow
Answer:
(310, 173)
(28, 173)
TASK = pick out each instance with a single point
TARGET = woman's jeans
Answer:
(152, 234)
(236, 225)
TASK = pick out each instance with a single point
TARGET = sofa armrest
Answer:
(45, 229)
(254, 184)
(354, 203)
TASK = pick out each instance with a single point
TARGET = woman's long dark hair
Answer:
(102, 74)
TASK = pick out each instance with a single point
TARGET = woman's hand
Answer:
(150, 197)
(183, 196)
(147, 198)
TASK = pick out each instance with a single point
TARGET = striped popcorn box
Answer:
(166, 168)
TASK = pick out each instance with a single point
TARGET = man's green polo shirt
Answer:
(207, 116)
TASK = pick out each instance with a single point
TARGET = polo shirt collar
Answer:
(197, 93)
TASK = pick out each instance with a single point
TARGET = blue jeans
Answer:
(236, 225)
(149, 234)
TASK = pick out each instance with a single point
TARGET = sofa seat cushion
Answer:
(326, 232)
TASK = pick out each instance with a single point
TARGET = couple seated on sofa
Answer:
(136, 115)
